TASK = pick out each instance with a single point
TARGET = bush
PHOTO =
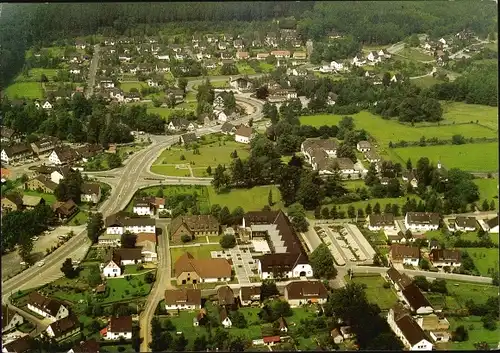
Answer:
(149, 277)
(186, 238)
(228, 241)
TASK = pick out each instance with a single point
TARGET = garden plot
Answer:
(339, 260)
(361, 240)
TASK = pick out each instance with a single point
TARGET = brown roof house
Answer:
(46, 307)
(189, 270)
(422, 221)
(121, 257)
(44, 145)
(90, 346)
(20, 345)
(289, 259)
(12, 202)
(249, 294)
(407, 330)
(243, 134)
(224, 318)
(407, 255)
(63, 328)
(399, 280)
(41, 183)
(65, 210)
(381, 221)
(303, 292)
(182, 299)
(417, 302)
(118, 327)
(10, 319)
(194, 226)
(17, 152)
(120, 222)
(63, 155)
(445, 257)
(91, 192)
(225, 296)
(465, 224)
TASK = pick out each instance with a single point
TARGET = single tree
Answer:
(270, 198)
(376, 208)
(128, 239)
(368, 209)
(227, 241)
(321, 260)
(486, 206)
(68, 269)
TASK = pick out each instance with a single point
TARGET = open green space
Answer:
(213, 150)
(265, 67)
(459, 112)
(250, 199)
(164, 112)
(127, 86)
(385, 298)
(29, 90)
(245, 69)
(477, 333)
(485, 259)
(78, 219)
(415, 54)
(488, 188)
(425, 82)
(170, 170)
(492, 46)
(385, 131)
(35, 75)
(123, 289)
(199, 252)
(474, 157)
(49, 198)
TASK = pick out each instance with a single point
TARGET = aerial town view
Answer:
(249, 176)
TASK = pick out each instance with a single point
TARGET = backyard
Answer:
(49, 198)
(477, 333)
(198, 252)
(385, 298)
(485, 259)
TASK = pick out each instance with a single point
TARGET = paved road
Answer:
(92, 72)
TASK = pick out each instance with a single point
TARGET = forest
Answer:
(370, 22)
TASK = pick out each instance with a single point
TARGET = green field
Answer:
(464, 113)
(385, 298)
(213, 153)
(425, 82)
(385, 131)
(476, 333)
(265, 67)
(250, 199)
(198, 252)
(170, 170)
(475, 157)
(34, 75)
(49, 198)
(450, 241)
(245, 69)
(488, 189)
(484, 259)
(161, 111)
(127, 86)
(415, 54)
(29, 90)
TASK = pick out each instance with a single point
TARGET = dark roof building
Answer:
(382, 220)
(120, 324)
(305, 290)
(225, 295)
(416, 300)
(400, 280)
(47, 305)
(174, 297)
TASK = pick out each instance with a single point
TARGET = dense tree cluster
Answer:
(337, 49)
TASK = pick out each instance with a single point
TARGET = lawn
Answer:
(385, 298)
(191, 96)
(219, 84)
(199, 252)
(385, 131)
(415, 54)
(476, 333)
(474, 157)
(250, 199)
(492, 46)
(265, 67)
(245, 69)
(171, 171)
(162, 111)
(127, 86)
(212, 151)
(425, 82)
(464, 113)
(450, 241)
(30, 90)
(484, 259)
(488, 188)
(123, 289)
(35, 75)
(80, 218)
(49, 198)
(354, 184)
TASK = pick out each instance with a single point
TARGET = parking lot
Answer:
(11, 262)
(243, 263)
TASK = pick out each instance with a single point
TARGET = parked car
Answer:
(40, 263)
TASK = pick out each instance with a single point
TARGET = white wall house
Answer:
(295, 273)
(143, 209)
(10, 319)
(118, 327)
(56, 176)
(47, 105)
(421, 221)
(54, 158)
(222, 117)
(62, 312)
(131, 228)
(410, 334)
(112, 270)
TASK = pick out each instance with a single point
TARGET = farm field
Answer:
(385, 131)
(250, 199)
(29, 90)
(488, 189)
(198, 252)
(484, 258)
(212, 153)
(475, 157)
(464, 113)
(385, 298)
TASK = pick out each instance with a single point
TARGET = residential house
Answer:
(243, 134)
(109, 240)
(63, 155)
(64, 210)
(374, 57)
(381, 221)
(47, 307)
(224, 318)
(338, 67)
(262, 56)
(118, 327)
(41, 183)
(17, 152)
(241, 83)
(147, 243)
(346, 332)
(249, 294)
(91, 192)
(409, 177)
(20, 345)
(121, 222)
(436, 326)
(143, 207)
(182, 299)
(228, 129)
(218, 102)
(445, 257)
(281, 54)
(271, 340)
(372, 156)
(225, 296)
(188, 138)
(407, 255)
(238, 44)
(358, 61)
(283, 326)
(12, 202)
(10, 319)
(47, 105)
(407, 330)
(363, 146)
(30, 202)
(290, 259)
(272, 39)
(63, 328)
(59, 173)
(281, 95)
(8, 134)
(121, 257)
(311, 145)
(132, 97)
(90, 346)
(179, 124)
(189, 270)
(221, 116)
(299, 55)
(492, 225)
(298, 293)
(384, 54)
(465, 224)
(242, 55)
(399, 280)
(422, 221)
(44, 145)
(337, 337)
(75, 69)
(417, 302)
